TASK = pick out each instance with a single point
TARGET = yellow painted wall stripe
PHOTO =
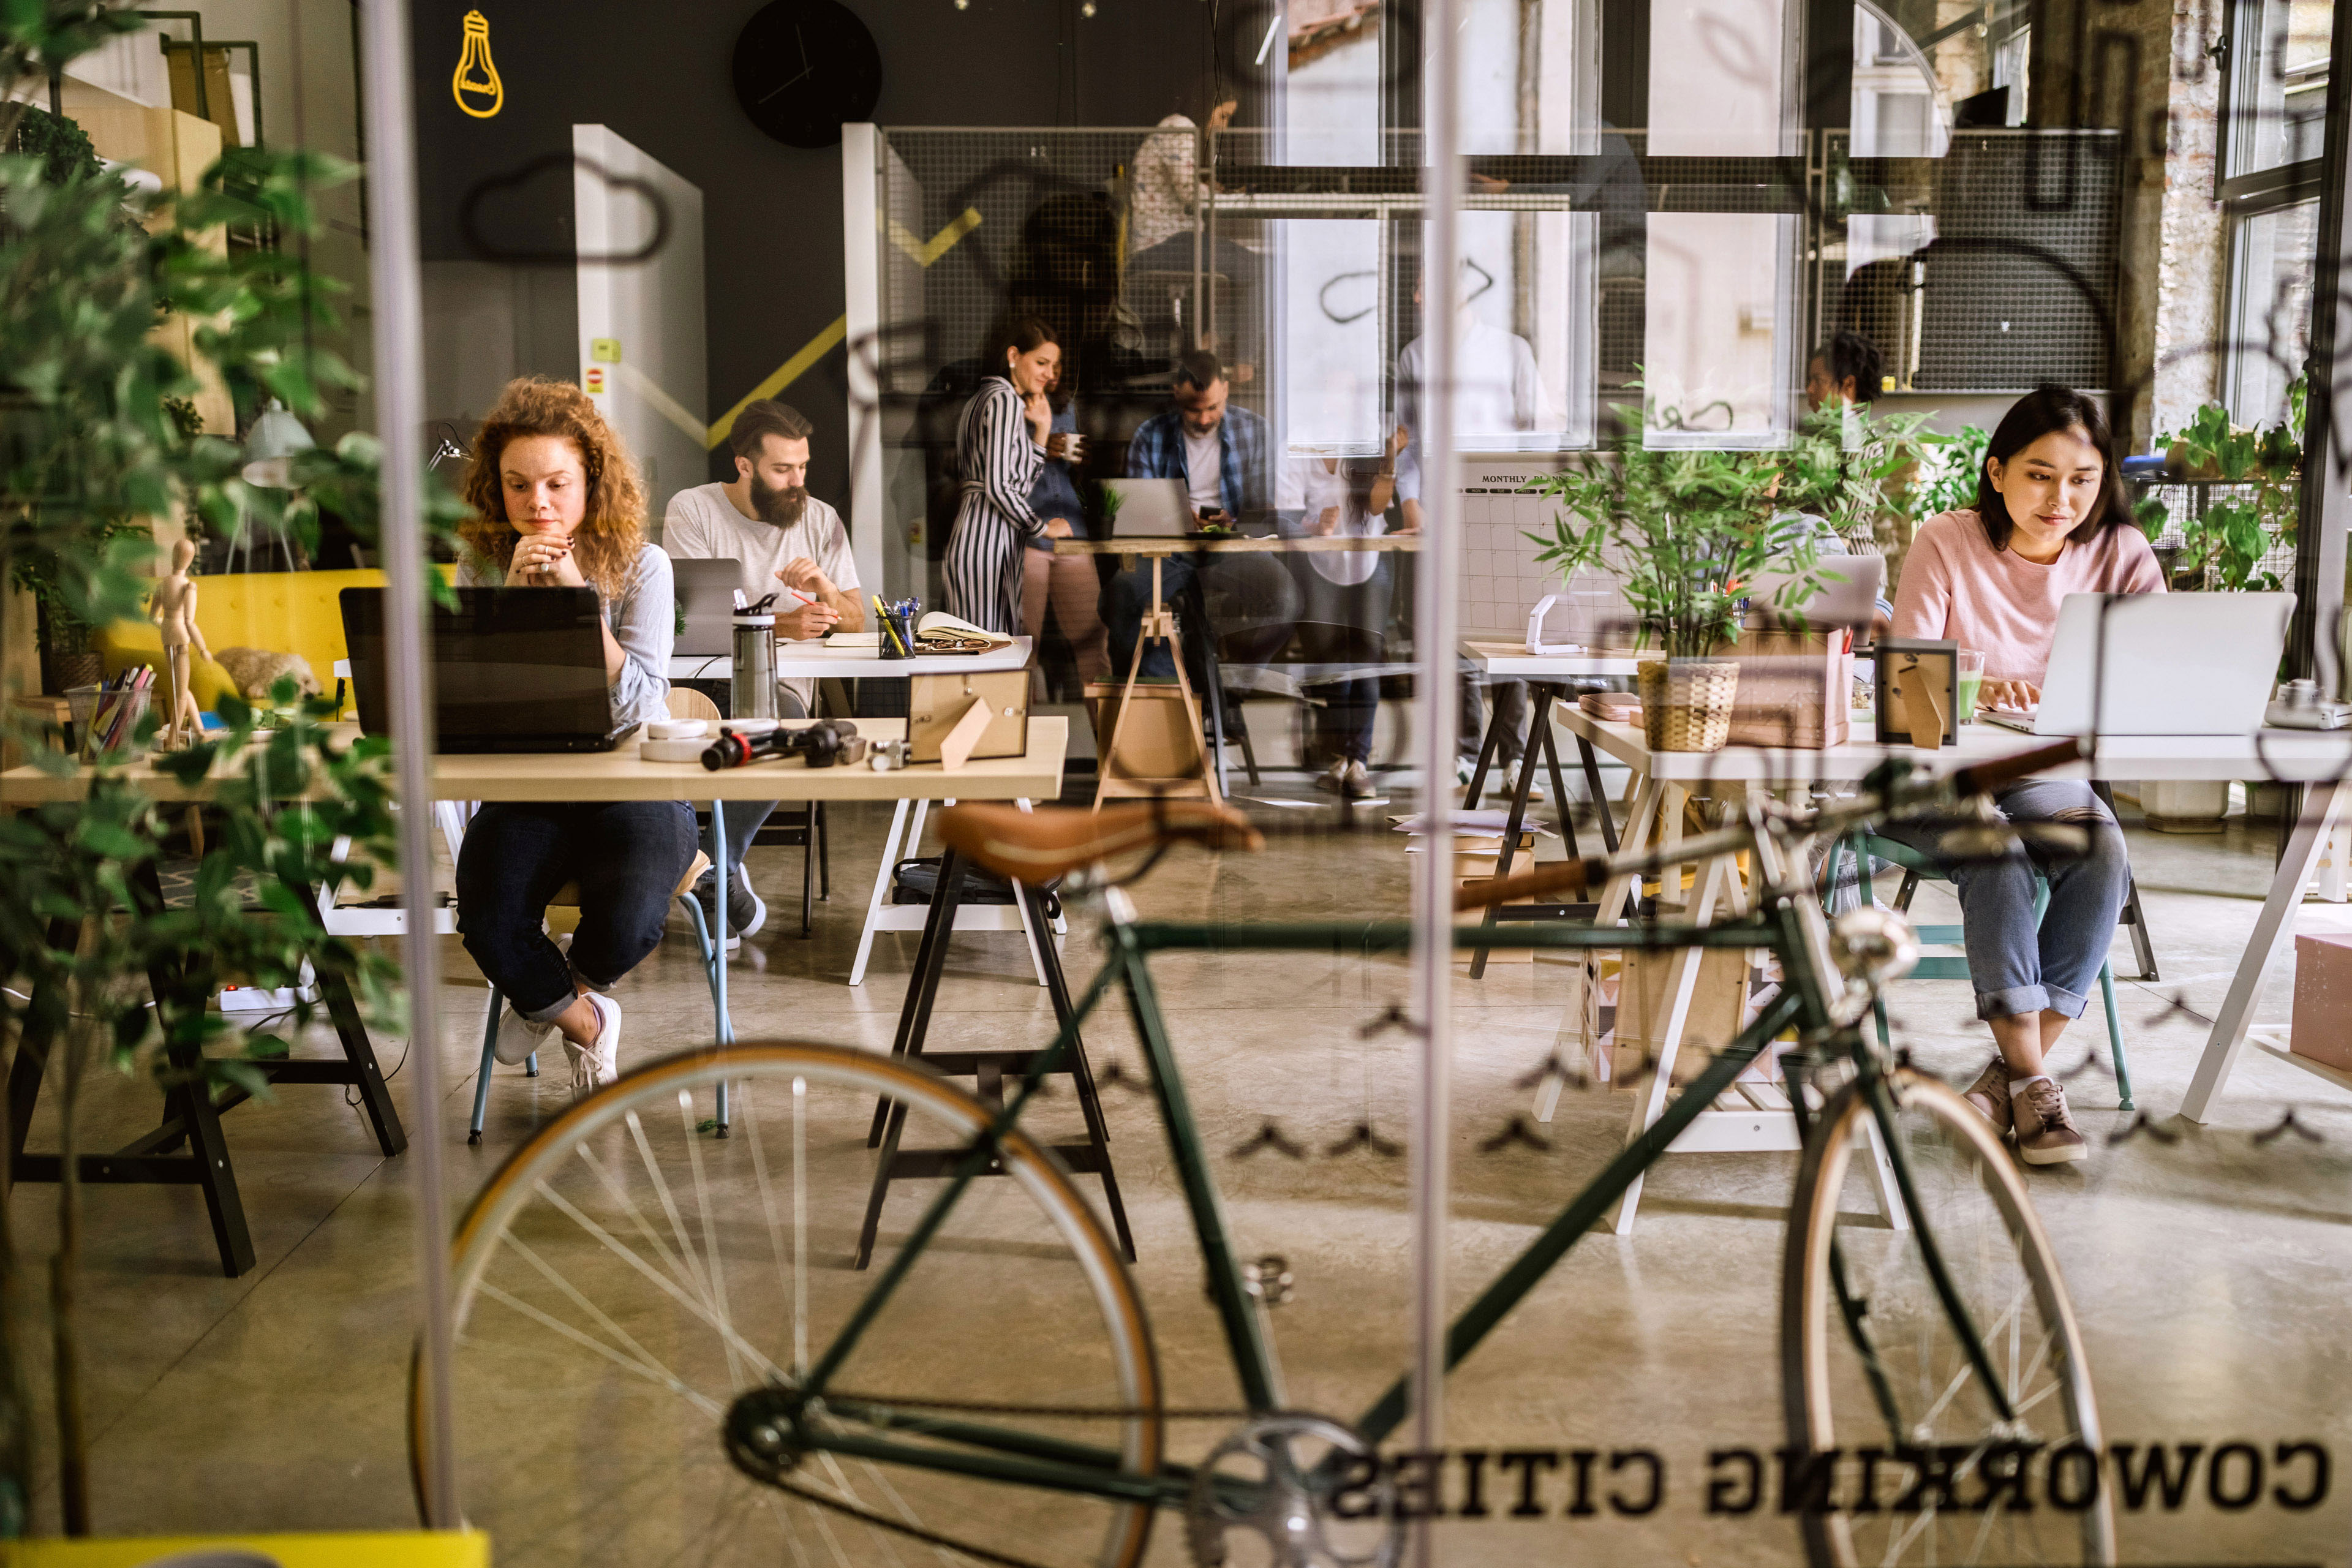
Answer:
(791, 370)
(923, 254)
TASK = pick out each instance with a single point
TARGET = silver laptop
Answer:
(1847, 593)
(2159, 664)
(1151, 508)
(706, 593)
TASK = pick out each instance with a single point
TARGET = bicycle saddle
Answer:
(1037, 846)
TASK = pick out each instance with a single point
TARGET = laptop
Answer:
(514, 669)
(1847, 594)
(2158, 664)
(706, 597)
(1151, 508)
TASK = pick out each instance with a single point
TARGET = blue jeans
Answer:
(626, 857)
(2016, 968)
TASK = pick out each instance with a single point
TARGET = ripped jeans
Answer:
(2015, 967)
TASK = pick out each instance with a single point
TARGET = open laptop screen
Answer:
(509, 664)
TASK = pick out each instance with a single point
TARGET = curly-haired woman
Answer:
(557, 503)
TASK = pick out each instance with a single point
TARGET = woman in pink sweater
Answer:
(2050, 521)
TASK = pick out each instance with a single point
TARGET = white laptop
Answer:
(1151, 508)
(1847, 593)
(2159, 664)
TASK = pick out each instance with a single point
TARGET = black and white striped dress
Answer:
(999, 460)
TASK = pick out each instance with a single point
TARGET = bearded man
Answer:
(790, 544)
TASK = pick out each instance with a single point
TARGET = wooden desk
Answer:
(1159, 626)
(813, 660)
(2302, 756)
(620, 774)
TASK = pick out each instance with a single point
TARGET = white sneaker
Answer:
(518, 1038)
(1510, 785)
(594, 1068)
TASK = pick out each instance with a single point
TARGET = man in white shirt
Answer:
(788, 544)
(1499, 397)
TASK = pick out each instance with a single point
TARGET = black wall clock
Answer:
(805, 67)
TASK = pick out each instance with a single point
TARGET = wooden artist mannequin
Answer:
(174, 610)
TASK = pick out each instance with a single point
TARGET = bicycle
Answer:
(990, 1391)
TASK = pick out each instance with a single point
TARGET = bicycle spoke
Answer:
(669, 1203)
(655, 1375)
(644, 1227)
(710, 1212)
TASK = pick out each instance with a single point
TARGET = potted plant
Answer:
(92, 451)
(1685, 530)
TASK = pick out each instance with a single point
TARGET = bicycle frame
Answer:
(1791, 925)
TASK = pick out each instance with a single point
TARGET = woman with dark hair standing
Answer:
(2050, 521)
(1000, 449)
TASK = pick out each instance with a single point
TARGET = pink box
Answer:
(2323, 999)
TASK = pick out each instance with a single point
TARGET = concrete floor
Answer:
(2209, 1270)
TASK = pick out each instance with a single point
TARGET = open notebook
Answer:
(940, 632)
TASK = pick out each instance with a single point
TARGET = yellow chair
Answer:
(126, 645)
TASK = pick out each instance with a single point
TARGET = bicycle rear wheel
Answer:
(1923, 1466)
(624, 1277)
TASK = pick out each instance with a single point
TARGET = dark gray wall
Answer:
(771, 217)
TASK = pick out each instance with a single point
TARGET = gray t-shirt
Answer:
(702, 524)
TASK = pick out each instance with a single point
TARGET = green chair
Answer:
(1918, 867)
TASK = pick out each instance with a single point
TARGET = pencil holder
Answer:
(897, 636)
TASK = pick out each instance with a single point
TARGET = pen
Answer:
(889, 626)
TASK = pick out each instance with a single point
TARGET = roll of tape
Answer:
(749, 726)
(685, 751)
(677, 730)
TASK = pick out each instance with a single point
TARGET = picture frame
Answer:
(1918, 684)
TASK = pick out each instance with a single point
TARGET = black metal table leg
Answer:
(1089, 1103)
(1487, 745)
(1512, 825)
(938, 925)
(1600, 796)
(1542, 726)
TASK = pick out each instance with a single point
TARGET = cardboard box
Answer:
(1794, 688)
(1162, 738)
(2323, 999)
(1621, 998)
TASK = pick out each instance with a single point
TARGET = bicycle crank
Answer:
(1275, 1483)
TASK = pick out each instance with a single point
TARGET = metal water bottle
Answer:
(754, 694)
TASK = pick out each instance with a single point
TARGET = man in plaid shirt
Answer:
(1219, 453)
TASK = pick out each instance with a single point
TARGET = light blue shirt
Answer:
(644, 621)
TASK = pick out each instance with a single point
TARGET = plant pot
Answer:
(1686, 702)
(2185, 805)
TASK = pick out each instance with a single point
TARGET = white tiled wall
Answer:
(1501, 580)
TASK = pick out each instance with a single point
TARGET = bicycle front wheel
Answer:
(1920, 1449)
(627, 1277)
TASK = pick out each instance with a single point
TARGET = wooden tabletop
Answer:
(1271, 545)
(620, 774)
(2293, 756)
(811, 660)
(1509, 658)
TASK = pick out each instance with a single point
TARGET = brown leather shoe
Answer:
(1990, 1095)
(2045, 1129)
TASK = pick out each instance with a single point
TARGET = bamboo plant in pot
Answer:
(1684, 531)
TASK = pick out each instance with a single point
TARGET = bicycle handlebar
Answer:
(1559, 877)
(1982, 777)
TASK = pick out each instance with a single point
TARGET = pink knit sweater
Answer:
(1955, 586)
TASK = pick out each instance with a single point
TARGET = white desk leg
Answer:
(2272, 929)
(1682, 985)
(1882, 1171)
(881, 892)
(1615, 896)
(1028, 928)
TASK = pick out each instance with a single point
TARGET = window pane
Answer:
(1717, 74)
(1331, 333)
(1718, 326)
(2278, 87)
(2270, 294)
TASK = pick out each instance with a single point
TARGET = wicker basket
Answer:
(1686, 702)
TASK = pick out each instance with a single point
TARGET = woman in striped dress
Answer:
(1000, 449)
